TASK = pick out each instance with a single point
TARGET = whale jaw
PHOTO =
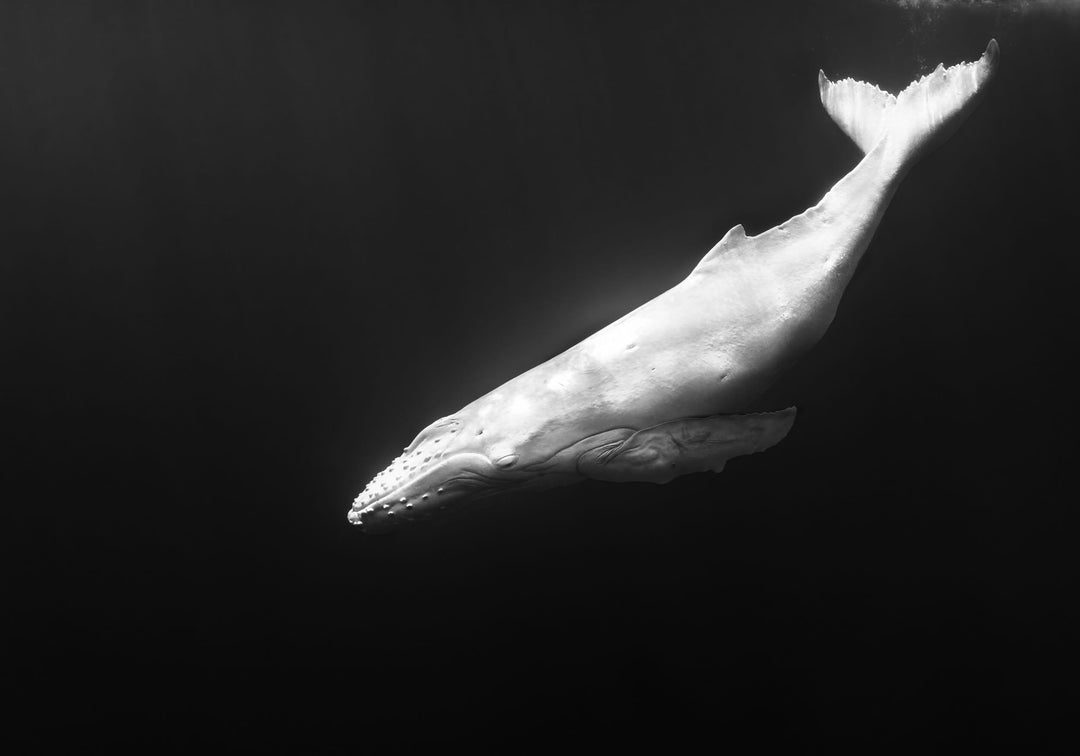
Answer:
(414, 486)
(417, 483)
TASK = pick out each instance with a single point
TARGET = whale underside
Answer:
(663, 391)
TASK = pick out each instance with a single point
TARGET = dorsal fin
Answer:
(732, 239)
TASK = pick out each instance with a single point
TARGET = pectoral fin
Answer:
(666, 451)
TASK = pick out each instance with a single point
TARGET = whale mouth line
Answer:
(395, 505)
(427, 487)
(393, 496)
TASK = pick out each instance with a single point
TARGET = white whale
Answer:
(657, 393)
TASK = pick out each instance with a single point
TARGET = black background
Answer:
(249, 249)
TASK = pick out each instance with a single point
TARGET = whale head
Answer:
(447, 462)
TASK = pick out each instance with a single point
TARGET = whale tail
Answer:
(918, 119)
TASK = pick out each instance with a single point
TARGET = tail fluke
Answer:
(916, 120)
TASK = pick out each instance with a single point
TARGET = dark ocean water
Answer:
(249, 249)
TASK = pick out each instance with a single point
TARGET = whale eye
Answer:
(506, 461)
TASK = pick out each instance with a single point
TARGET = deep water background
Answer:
(249, 249)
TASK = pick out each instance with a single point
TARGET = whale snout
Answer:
(422, 480)
(375, 521)
(385, 514)
(449, 460)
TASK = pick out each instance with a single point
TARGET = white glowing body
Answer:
(627, 403)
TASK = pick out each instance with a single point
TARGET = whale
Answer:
(664, 391)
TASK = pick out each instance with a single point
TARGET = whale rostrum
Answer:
(663, 391)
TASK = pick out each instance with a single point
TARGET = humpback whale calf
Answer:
(663, 391)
